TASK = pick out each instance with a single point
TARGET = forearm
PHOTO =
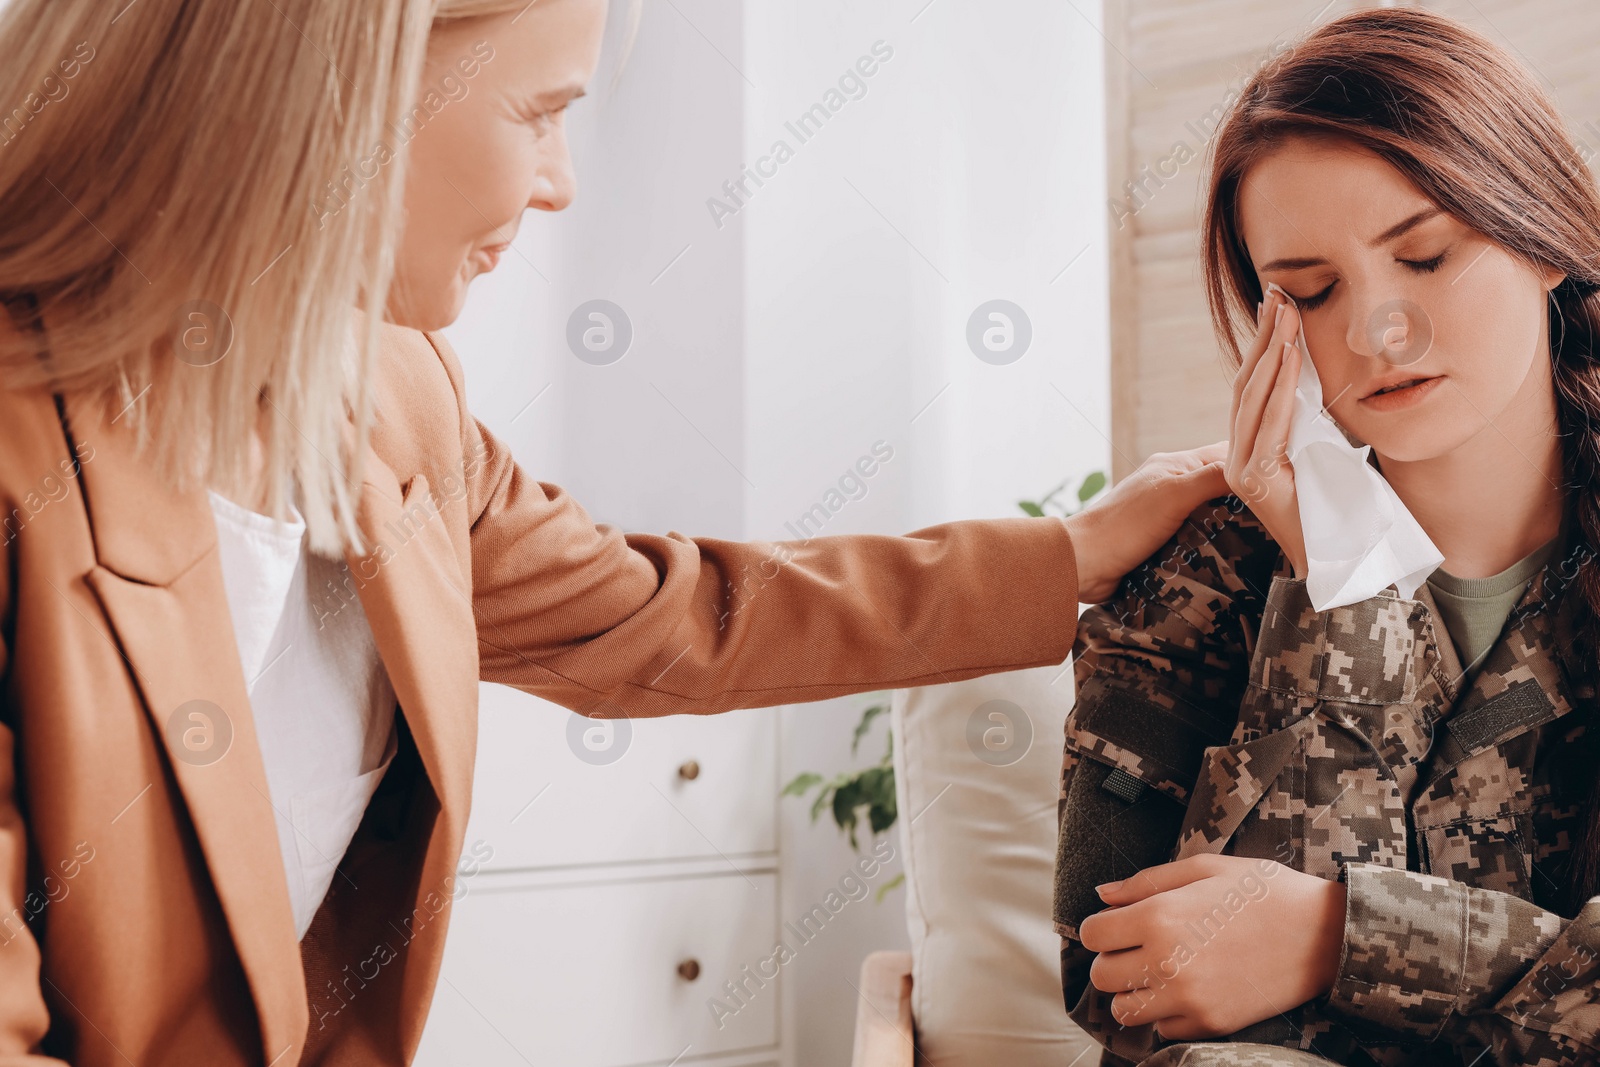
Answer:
(1427, 959)
(644, 624)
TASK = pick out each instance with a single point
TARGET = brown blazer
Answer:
(144, 917)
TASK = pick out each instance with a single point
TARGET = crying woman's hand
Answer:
(1208, 945)
(1258, 468)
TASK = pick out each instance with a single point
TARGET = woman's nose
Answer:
(1368, 330)
(555, 184)
(1389, 328)
(1356, 333)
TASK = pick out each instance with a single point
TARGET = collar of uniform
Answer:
(1533, 675)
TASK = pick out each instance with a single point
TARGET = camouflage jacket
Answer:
(1218, 712)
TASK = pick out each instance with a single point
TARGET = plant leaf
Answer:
(890, 884)
(1091, 485)
(845, 801)
(801, 784)
(821, 802)
(866, 724)
(848, 792)
(873, 780)
(1031, 508)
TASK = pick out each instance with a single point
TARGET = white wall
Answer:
(830, 312)
(638, 440)
(972, 169)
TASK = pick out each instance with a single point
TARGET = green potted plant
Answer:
(846, 794)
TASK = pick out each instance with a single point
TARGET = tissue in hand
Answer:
(1360, 539)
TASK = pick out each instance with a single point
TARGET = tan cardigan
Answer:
(143, 909)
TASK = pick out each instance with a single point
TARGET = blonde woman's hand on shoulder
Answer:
(1139, 514)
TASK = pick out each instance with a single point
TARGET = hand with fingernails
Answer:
(1208, 945)
(1258, 469)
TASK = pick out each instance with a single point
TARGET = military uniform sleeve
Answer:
(1428, 959)
(1160, 668)
(1160, 671)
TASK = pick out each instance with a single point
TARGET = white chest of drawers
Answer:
(615, 900)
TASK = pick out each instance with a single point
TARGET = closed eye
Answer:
(1311, 303)
(1422, 266)
(540, 118)
(1426, 266)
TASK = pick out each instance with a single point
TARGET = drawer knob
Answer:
(689, 771)
(689, 970)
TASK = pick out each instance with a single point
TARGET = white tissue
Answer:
(1360, 539)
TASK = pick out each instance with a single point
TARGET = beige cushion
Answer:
(977, 770)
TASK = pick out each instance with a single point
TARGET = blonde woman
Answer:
(233, 804)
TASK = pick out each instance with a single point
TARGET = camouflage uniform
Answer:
(1218, 712)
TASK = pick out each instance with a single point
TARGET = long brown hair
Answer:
(1471, 128)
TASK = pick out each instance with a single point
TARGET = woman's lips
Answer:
(1403, 396)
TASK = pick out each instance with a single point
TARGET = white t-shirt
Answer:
(323, 707)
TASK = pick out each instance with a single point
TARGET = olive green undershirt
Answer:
(1474, 610)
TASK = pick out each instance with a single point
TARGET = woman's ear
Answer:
(1552, 277)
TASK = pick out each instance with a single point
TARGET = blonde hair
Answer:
(159, 166)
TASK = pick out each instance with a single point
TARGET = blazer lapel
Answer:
(419, 606)
(159, 580)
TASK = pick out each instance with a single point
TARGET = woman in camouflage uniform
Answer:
(1352, 836)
